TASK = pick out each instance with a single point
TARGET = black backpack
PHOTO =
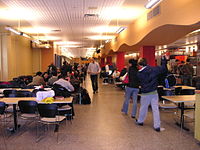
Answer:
(61, 91)
(85, 98)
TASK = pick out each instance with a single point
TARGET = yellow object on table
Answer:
(48, 100)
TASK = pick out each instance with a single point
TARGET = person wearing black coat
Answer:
(148, 77)
(132, 88)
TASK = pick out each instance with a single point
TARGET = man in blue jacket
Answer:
(148, 77)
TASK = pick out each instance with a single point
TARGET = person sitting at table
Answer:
(63, 81)
(148, 78)
(53, 78)
(38, 79)
(116, 75)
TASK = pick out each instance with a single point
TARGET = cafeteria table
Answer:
(14, 101)
(181, 99)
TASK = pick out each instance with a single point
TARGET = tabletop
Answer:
(14, 100)
(185, 87)
(180, 98)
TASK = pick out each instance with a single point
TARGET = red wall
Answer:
(148, 52)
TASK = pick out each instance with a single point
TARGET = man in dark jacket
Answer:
(132, 88)
(148, 77)
(187, 73)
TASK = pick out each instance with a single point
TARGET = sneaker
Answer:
(139, 123)
(93, 92)
(133, 117)
(157, 129)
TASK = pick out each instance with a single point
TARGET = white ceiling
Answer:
(67, 16)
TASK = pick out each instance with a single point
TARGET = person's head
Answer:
(54, 73)
(182, 62)
(64, 63)
(93, 60)
(38, 73)
(63, 76)
(188, 60)
(142, 62)
(132, 62)
(45, 75)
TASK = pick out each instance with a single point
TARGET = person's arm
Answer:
(99, 68)
(163, 68)
(89, 69)
(69, 86)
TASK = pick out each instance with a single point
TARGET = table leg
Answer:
(181, 124)
(16, 126)
(15, 116)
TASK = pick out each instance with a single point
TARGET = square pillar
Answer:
(109, 60)
(120, 60)
(148, 52)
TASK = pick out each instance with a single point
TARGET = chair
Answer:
(187, 92)
(66, 110)
(9, 93)
(28, 109)
(177, 90)
(48, 115)
(3, 119)
(164, 104)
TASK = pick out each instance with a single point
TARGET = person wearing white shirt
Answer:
(64, 83)
(93, 70)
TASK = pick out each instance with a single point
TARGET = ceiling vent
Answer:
(56, 30)
(91, 15)
(153, 13)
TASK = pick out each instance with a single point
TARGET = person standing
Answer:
(93, 70)
(132, 88)
(187, 71)
(148, 77)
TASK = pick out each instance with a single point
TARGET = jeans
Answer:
(94, 82)
(146, 100)
(130, 92)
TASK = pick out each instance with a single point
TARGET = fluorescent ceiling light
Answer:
(13, 30)
(18, 13)
(120, 30)
(151, 3)
(37, 30)
(104, 29)
(71, 46)
(122, 13)
(47, 38)
(67, 43)
(26, 35)
(99, 37)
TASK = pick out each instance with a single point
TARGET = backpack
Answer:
(85, 98)
(61, 91)
(170, 81)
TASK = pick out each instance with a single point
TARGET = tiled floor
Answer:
(101, 126)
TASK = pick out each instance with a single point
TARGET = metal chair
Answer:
(48, 116)
(3, 119)
(66, 110)
(28, 109)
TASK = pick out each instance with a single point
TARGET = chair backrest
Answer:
(187, 92)
(2, 107)
(29, 107)
(9, 93)
(48, 110)
(177, 90)
(23, 94)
